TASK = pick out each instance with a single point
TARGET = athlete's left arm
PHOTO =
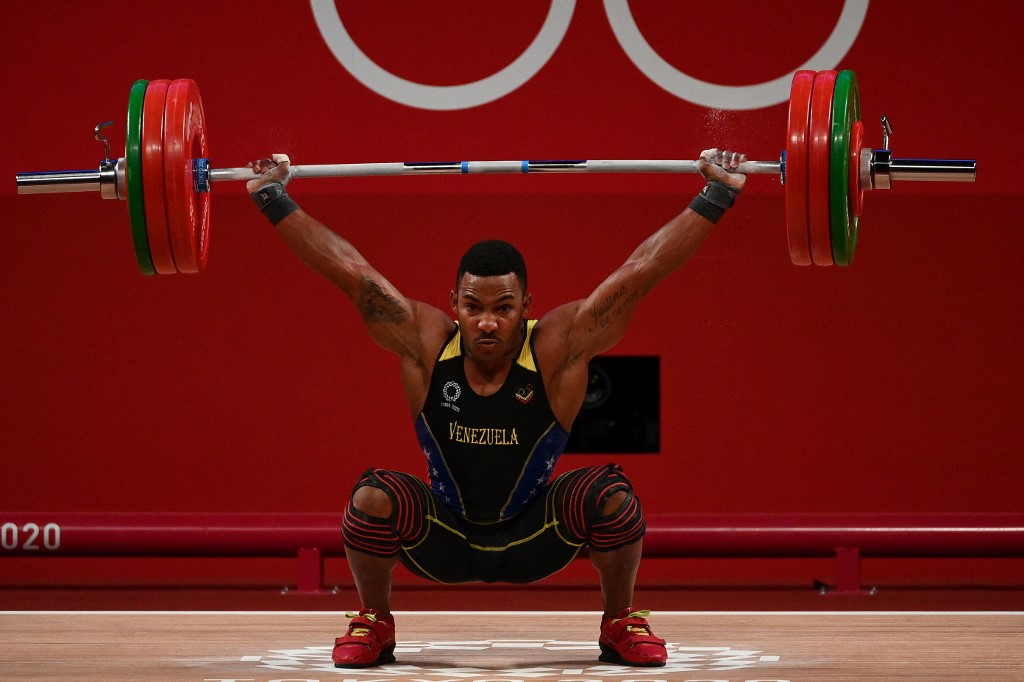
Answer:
(599, 322)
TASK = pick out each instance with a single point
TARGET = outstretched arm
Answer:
(599, 322)
(396, 323)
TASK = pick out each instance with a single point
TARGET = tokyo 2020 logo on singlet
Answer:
(546, 42)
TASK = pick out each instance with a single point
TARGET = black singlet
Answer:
(488, 456)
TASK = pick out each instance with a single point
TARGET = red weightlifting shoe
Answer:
(369, 641)
(626, 639)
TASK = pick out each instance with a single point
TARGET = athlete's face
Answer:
(490, 311)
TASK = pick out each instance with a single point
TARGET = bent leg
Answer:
(599, 507)
(617, 568)
(371, 572)
(386, 509)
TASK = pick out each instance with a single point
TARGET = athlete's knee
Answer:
(622, 520)
(387, 508)
(600, 508)
(366, 526)
(372, 501)
(613, 502)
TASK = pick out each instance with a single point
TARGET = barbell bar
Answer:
(166, 178)
(68, 181)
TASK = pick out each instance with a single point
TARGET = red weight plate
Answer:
(153, 177)
(796, 167)
(188, 210)
(856, 191)
(818, 164)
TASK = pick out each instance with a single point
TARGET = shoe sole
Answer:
(386, 656)
(610, 655)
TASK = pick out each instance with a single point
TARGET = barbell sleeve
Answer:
(58, 182)
(934, 170)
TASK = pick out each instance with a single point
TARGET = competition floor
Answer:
(468, 646)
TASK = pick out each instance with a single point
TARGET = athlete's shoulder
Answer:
(435, 328)
(555, 326)
(551, 336)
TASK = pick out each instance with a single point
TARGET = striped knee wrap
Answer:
(383, 536)
(583, 497)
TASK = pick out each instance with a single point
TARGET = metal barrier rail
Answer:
(312, 536)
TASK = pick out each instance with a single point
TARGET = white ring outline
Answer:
(457, 392)
(446, 97)
(732, 97)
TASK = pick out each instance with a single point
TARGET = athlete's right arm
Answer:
(396, 323)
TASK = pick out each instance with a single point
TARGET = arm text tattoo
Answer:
(613, 305)
(377, 305)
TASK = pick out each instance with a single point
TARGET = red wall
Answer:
(897, 384)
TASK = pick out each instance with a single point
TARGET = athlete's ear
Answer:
(527, 302)
(454, 296)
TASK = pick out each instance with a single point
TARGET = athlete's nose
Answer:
(487, 323)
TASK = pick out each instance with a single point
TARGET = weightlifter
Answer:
(493, 395)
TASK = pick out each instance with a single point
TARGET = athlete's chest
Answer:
(515, 397)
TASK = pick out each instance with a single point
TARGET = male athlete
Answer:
(493, 395)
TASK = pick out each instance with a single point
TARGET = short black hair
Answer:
(490, 258)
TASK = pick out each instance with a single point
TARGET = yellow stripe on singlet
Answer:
(520, 541)
(454, 348)
(551, 524)
(501, 514)
(526, 355)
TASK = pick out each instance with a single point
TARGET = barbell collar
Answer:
(881, 169)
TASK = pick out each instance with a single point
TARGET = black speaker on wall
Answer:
(622, 409)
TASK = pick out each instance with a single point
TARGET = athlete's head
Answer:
(490, 299)
(492, 257)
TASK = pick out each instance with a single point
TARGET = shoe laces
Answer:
(642, 613)
(361, 631)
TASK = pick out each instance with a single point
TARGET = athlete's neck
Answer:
(486, 375)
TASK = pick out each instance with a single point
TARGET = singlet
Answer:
(487, 456)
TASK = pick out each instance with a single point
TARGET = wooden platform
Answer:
(487, 646)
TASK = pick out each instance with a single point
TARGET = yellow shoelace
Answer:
(643, 613)
(360, 632)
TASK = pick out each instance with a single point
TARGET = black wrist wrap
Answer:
(274, 201)
(714, 200)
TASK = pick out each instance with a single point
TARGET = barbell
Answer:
(165, 175)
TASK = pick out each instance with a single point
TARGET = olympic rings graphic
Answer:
(442, 98)
(544, 45)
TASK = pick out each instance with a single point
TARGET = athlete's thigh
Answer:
(443, 553)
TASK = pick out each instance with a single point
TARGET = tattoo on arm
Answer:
(377, 305)
(606, 311)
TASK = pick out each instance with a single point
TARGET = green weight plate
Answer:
(845, 112)
(133, 177)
